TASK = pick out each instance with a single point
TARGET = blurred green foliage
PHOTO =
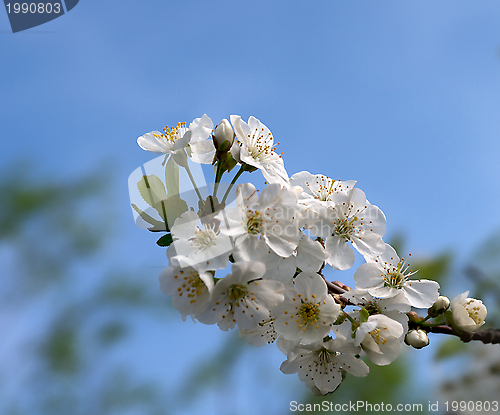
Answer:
(52, 233)
(61, 350)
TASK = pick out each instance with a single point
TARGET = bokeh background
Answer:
(401, 96)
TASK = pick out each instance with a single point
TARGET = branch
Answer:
(487, 336)
(484, 335)
(336, 288)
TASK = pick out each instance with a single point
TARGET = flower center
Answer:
(236, 292)
(173, 134)
(394, 280)
(375, 333)
(309, 313)
(372, 308)
(323, 187)
(197, 286)
(325, 358)
(345, 228)
(204, 239)
(260, 144)
(473, 313)
(254, 222)
(396, 276)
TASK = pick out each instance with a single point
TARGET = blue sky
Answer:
(401, 96)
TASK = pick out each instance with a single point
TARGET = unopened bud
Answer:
(442, 303)
(439, 307)
(223, 136)
(417, 339)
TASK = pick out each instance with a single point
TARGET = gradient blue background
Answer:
(401, 96)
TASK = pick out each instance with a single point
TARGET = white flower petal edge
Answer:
(201, 146)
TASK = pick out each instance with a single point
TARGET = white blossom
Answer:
(278, 268)
(468, 313)
(310, 254)
(261, 335)
(442, 303)
(394, 307)
(199, 244)
(318, 189)
(258, 150)
(242, 298)
(320, 365)
(268, 216)
(190, 289)
(440, 306)
(380, 338)
(171, 140)
(308, 311)
(387, 276)
(275, 291)
(351, 218)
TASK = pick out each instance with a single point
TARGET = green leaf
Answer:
(224, 146)
(172, 177)
(363, 315)
(228, 162)
(165, 240)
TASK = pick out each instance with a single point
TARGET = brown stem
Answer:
(484, 335)
(336, 288)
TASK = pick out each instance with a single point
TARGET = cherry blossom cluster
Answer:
(255, 259)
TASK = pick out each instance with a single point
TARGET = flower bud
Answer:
(440, 306)
(223, 136)
(417, 339)
(468, 314)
